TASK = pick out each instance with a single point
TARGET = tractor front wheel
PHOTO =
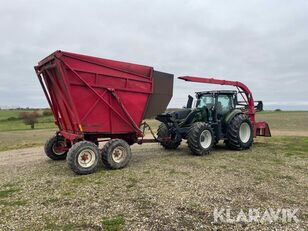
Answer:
(116, 154)
(55, 148)
(166, 139)
(240, 133)
(200, 138)
(84, 157)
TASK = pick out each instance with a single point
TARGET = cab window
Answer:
(206, 100)
(224, 104)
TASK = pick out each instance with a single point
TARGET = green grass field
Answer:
(9, 121)
(15, 134)
(291, 120)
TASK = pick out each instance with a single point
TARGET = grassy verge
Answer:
(24, 139)
(292, 121)
(46, 122)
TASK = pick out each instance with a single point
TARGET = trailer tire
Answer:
(200, 139)
(116, 154)
(84, 158)
(239, 133)
(162, 132)
(51, 146)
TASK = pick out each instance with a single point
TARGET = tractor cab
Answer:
(217, 103)
(213, 107)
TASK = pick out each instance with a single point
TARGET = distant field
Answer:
(292, 121)
(7, 113)
(9, 121)
(15, 134)
(24, 139)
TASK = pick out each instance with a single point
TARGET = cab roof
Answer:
(217, 92)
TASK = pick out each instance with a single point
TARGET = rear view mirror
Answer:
(259, 106)
(189, 101)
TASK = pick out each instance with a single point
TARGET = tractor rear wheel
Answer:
(116, 154)
(84, 157)
(239, 133)
(167, 140)
(200, 138)
(55, 148)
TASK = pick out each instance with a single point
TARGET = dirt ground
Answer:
(159, 190)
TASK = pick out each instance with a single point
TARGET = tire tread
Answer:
(162, 132)
(107, 161)
(233, 139)
(71, 158)
(48, 149)
(194, 137)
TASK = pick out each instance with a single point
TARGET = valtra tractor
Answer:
(97, 100)
(217, 115)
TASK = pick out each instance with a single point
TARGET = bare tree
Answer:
(29, 118)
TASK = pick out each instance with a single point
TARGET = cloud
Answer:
(262, 43)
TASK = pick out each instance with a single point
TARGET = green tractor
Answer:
(217, 115)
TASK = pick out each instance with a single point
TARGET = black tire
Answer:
(235, 140)
(116, 154)
(163, 133)
(84, 158)
(197, 135)
(50, 148)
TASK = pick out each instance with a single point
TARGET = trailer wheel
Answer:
(116, 154)
(84, 157)
(163, 133)
(200, 138)
(54, 148)
(240, 133)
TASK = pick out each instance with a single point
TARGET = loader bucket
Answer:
(262, 129)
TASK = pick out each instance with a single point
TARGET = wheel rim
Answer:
(58, 148)
(206, 139)
(86, 158)
(245, 132)
(119, 154)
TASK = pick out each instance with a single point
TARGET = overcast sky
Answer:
(262, 43)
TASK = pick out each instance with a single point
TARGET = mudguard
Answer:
(231, 115)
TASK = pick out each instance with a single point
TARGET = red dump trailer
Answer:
(93, 99)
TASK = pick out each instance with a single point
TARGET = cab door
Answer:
(224, 105)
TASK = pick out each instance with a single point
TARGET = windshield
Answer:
(206, 100)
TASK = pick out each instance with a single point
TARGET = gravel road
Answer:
(26, 156)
